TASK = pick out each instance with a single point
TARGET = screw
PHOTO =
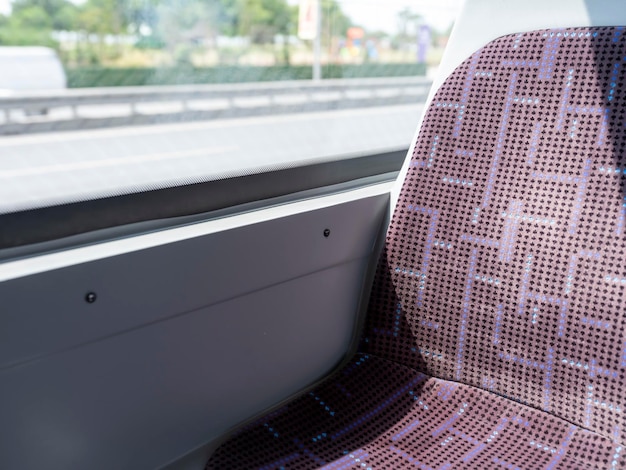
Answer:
(327, 233)
(91, 297)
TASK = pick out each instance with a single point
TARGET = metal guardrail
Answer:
(108, 107)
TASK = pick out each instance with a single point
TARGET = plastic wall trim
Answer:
(39, 264)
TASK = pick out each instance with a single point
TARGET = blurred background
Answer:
(107, 97)
(103, 43)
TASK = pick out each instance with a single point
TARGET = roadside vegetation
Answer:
(204, 41)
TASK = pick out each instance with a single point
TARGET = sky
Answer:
(380, 14)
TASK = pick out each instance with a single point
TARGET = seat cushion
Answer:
(375, 414)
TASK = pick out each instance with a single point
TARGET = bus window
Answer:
(166, 94)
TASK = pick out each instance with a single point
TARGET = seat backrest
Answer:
(505, 261)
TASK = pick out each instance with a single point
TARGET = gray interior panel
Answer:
(47, 313)
(184, 341)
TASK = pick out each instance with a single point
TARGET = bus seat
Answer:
(495, 336)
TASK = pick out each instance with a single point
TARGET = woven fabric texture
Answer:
(504, 274)
(505, 263)
(377, 414)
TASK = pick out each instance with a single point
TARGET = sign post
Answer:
(309, 28)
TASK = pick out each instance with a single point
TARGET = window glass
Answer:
(107, 97)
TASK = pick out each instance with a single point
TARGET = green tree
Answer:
(263, 20)
(408, 26)
(408, 22)
(66, 18)
(32, 17)
(62, 13)
(103, 17)
(228, 17)
(184, 25)
(334, 21)
(28, 25)
(141, 13)
(284, 21)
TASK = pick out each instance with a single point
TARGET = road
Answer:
(46, 169)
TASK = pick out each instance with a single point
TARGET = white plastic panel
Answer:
(150, 285)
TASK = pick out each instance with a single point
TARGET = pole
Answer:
(317, 45)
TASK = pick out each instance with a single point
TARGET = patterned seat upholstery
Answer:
(495, 336)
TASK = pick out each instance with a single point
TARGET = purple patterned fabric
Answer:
(379, 414)
(503, 276)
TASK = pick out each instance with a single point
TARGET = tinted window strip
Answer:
(52, 223)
